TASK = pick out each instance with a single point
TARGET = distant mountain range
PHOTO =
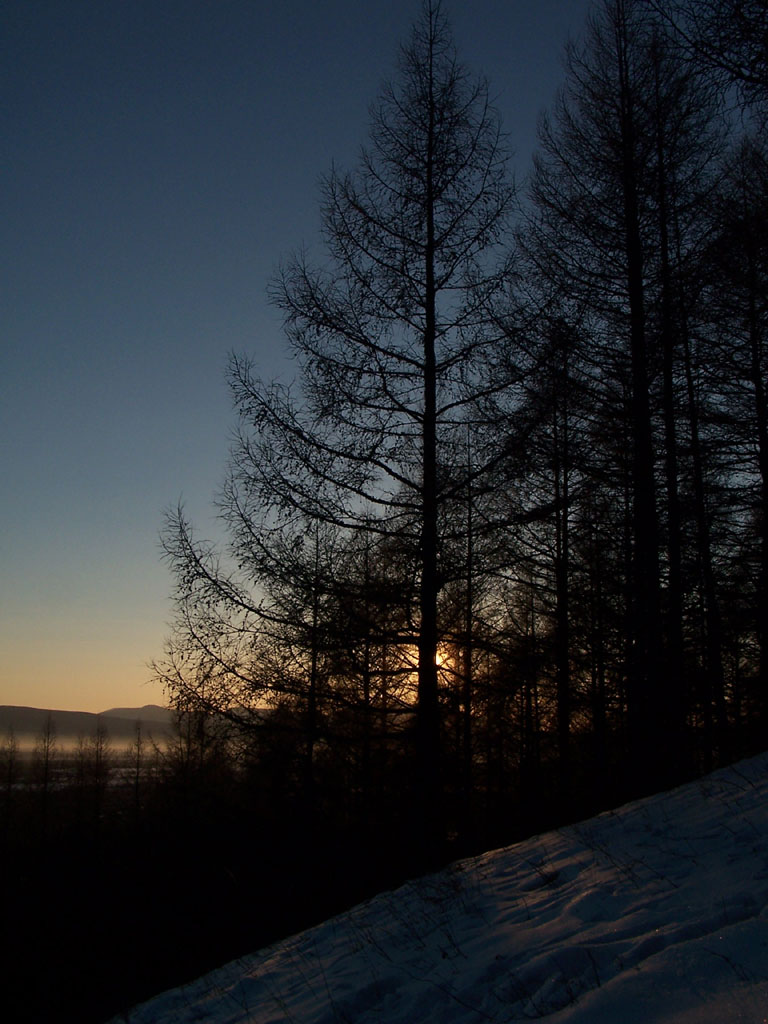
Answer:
(29, 723)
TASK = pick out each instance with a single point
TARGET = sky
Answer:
(158, 160)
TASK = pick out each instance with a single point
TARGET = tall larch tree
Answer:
(392, 340)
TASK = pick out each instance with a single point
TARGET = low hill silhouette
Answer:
(29, 723)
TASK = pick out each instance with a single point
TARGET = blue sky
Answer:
(159, 157)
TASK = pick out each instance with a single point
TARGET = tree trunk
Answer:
(646, 746)
(428, 723)
(562, 567)
(674, 708)
(761, 418)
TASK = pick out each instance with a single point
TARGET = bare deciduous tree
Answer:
(393, 343)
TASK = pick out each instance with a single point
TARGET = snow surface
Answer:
(656, 912)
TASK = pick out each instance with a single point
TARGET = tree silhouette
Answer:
(393, 341)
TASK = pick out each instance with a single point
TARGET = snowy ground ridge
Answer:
(656, 912)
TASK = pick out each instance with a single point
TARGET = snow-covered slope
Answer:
(655, 912)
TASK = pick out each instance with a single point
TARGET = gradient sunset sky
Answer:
(159, 157)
